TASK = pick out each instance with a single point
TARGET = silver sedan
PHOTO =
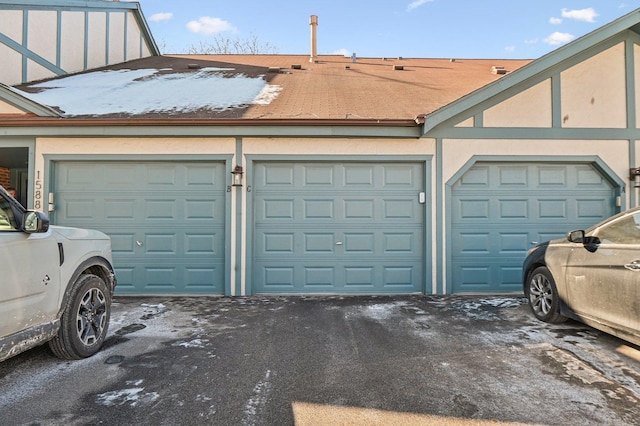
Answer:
(592, 276)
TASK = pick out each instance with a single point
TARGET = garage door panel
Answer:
(338, 228)
(166, 220)
(498, 210)
(356, 277)
(339, 209)
(594, 209)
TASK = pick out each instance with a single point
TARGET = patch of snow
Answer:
(195, 343)
(146, 90)
(483, 309)
(267, 95)
(133, 396)
(258, 400)
(381, 311)
(158, 306)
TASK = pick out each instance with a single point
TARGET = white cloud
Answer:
(559, 38)
(555, 21)
(343, 52)
(586, 15)
(209, 26)
(531, 41)
(417, 3)
(510, 49)
(159, 17)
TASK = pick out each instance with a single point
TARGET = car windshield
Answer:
(621, 229)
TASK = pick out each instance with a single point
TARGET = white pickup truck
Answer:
(56, 284)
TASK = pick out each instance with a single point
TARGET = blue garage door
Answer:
(165, 220)
(498, 209)
(348, 228)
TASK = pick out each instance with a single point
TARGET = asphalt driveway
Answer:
(329, 360)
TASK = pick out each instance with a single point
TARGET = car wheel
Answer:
(543, 296)
(85, 320)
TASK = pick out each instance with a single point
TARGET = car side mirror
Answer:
(34, 222)
(590, 243)
(576, 236)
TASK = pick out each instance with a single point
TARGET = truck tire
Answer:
(85, 319)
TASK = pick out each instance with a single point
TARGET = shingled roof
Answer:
(267, 87)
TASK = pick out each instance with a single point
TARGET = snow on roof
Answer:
(144, 91)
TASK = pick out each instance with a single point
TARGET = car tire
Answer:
(85, 319)
(543, 297)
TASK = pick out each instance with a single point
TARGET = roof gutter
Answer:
(160, 122)
(51, 127)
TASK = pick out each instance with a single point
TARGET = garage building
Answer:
(314, 177)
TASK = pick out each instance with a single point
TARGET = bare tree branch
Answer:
(220, 45)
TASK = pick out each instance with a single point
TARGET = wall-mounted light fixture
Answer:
(634, 175)
(236, 176)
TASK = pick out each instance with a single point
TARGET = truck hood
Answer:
(78, 233)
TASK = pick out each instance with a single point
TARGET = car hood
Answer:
(78, 233)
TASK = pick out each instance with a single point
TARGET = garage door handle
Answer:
(339, 243)
(139, 243)
(633, 266)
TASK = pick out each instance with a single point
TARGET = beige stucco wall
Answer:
(43, 36)
(594, 91)
(469, 122)
(132, 146)
(636, 54)
(346, 146)
(6, 108)
(35, 71)
(529, 108)
(72, 40)
(10, 74)
(614, 153)
(133, 37)
(116, 37)
(97, 39)
(12, 24)
(457, 152)
(42, 39)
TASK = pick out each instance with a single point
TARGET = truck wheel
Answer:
(85, 319)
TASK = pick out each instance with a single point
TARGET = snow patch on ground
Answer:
(258, 400)
(134, 397)
(484, 309)
(195, 343)
(381, 311)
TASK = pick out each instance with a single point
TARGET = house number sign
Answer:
(38, 191)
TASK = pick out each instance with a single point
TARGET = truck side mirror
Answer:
(34, 222)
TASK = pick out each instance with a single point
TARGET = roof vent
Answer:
(498, 70)
(296, 67)
(398, 67)
(274, 69)
(194, 66)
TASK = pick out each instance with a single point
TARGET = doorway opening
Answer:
(14, 165)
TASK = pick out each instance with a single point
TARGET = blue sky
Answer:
(408, 28)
